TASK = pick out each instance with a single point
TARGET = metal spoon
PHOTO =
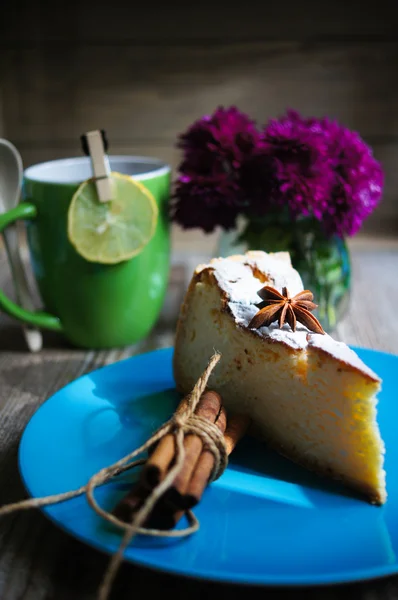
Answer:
(10, 190)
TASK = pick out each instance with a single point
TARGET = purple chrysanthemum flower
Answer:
(206, 202)
(302, 175)
(258, 183)
(207, 193)
(358, 179)
(312, 167)
(226, 135)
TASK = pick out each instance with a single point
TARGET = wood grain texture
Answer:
(150, 93)
(145, 95)
(145, 73)
(39, 562)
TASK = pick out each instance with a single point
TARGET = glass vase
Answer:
(323, 262)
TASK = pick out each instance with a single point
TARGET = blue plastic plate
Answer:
(265, 521)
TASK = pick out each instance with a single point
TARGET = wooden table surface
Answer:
(37, 560)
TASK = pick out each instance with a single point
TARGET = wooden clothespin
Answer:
(95, 145)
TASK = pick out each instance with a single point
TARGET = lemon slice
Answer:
(111, 232)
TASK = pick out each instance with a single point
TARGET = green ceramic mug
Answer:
(93, 305)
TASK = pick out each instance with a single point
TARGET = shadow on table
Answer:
(252, 456)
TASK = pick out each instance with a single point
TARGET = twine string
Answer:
(179, 425)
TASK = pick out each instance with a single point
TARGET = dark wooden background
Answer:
(145, 72)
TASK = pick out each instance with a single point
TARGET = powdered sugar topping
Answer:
(340, 351)
(237, 278)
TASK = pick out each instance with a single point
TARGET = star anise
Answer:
(281, 307)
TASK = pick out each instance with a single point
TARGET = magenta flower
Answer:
(358, 180)
(206, 202)
(311, 167)
(227, 135)
(207, 192)
(258, 183)
(302, 177)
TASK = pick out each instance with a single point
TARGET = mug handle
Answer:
(25, 210)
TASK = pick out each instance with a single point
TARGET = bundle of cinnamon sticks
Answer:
(188, 486)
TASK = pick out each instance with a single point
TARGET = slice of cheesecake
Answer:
(309, 396)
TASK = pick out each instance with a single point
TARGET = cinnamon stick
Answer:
(131, 503)
(209, 407)
(162, 456)
(159, 462)
(235, 430)
(152, 473)
(237, 427)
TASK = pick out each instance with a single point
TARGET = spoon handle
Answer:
(32, 335)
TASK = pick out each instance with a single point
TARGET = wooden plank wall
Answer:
(144, 73)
